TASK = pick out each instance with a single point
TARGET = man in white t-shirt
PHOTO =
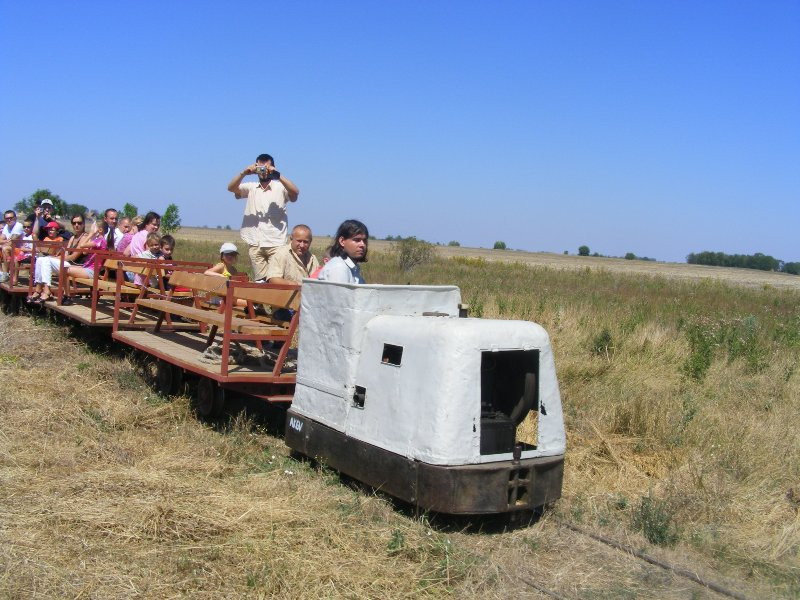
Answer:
(265, 223)
(115, 234)
(12, 229)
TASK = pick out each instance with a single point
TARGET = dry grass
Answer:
(680, 399)
(108, 491)
(680, 391)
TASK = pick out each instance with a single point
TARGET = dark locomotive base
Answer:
(488, 488)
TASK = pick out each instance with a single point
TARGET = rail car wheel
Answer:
(150, 372)
(210, 398)
(15, 304)
(168, 378)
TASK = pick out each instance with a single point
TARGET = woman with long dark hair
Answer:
(349, 249)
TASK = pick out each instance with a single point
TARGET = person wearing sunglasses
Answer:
(75, 255)
(12, 230)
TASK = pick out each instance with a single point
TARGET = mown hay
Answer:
(113, 492)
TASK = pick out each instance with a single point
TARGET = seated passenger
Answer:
(293, 262)
(97, 241)
(114, 234)
(228, 253)
(52, 234)
(22, 253)
(152, 221)
(124, 227)
(152, 247)
(129, 227)
(152, 251)
(326, 257)
(167, 247)
(11, 230)
(349, 249)
(46, 265)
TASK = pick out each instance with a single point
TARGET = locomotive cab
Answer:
(454, 415)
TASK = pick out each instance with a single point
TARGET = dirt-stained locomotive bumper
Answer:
(486, 488)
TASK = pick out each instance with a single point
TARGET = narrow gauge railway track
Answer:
(534, 581)
(653, 560)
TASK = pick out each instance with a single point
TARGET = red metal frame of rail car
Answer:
(183, 350)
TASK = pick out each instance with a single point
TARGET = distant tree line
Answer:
(586, 251)
(762, 262)
(632, 256)
(400, 238)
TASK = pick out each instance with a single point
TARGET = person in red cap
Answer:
(47, 265)
(42, 274)
(52, 234)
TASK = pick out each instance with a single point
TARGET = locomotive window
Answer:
(392, 355)
(359, 396)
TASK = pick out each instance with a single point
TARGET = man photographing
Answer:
(265, 223)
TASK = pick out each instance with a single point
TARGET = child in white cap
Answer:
(228, 253)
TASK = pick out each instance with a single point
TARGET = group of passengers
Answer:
(136, 237)
(264, 229)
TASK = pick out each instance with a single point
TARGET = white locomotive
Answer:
(395, 389)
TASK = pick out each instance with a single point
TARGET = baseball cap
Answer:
(46, 201)
(227, 248)
(52, 225)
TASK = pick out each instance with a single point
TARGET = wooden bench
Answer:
(123, 293)
(234, 328)
(150, 269)
(17, 268)
(96, 287)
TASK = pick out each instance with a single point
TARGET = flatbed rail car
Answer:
(396, 390)
(94, 301)
(225, 328)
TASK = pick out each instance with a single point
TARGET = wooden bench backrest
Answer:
(51, 248)
(111, 263)
(154, 266)
(266, 295)
(139, 268)
(200, 282)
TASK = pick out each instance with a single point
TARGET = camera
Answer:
(264, 174)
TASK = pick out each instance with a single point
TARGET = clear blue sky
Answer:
(659, 128)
